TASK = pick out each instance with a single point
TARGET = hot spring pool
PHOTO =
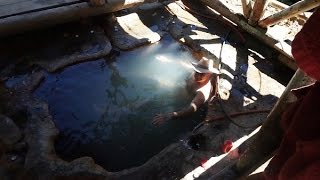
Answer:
(104, 108)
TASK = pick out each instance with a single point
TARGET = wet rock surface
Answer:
(128, 32)
(55, 48)
(245, 81)
(41, 157)
(96, 45)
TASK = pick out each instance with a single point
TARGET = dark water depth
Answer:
(104, 108)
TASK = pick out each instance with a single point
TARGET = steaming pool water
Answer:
(104, 108)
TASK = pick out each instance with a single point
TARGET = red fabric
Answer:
(306, 46)
(298, 156)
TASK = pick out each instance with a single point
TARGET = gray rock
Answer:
(94, 44)
(9, 131)
(129, 32)
(41, 156)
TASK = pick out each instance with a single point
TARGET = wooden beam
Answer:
(12, 7)
(50, 17)
(279, 5)
(288, 61)
(289, 12)
(243, 24)
(246, 7)
(257, 11)
(268, 139)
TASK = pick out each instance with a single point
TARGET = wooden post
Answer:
(246, 7)
(223, 10)
(292, 11)
(268, 139)
(226, 12)
(281, 6)
(257, 11)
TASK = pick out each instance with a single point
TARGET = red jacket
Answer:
(298, 156)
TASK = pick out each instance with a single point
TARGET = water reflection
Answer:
(104, 108)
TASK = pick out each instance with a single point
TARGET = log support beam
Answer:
(268, 139)
(289, 12)
(257, 11)
(246, 7)
(50, 17)
(243, 24)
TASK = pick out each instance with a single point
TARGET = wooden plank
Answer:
(5, 2)
(15, 7)
(50, 17)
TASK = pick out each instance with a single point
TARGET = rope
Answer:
(232, 115)
(216, 94)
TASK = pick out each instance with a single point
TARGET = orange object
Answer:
(227, 146)
(203, 162)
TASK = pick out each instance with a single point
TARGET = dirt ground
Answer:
(252, 80)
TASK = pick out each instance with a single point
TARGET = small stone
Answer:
(91, 31)
(76, 36)
(13, 157)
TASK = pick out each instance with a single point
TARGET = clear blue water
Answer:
(104, 108)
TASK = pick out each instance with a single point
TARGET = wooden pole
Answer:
(223, 10)
(49, 17)
(292, 11)
(226, 12)
(281, 6)
(246, 7)
(268, 139)
(257, 11)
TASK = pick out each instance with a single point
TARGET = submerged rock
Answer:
(93, 44)
(53, 48)
(9, 131)
(41, 158)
